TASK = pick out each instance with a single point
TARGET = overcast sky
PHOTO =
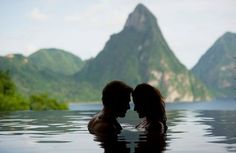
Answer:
(83, 27)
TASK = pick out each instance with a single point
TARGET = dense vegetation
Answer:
(44, 102)
(56, 60)
(139, 53)
(215, 68)
(31, 78)
(11, 100)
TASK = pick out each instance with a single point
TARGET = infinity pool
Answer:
(190, 131)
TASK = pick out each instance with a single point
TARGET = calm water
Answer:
(196, 127)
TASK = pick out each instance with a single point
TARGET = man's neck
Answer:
(108, 113)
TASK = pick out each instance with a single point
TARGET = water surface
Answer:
(197, 127)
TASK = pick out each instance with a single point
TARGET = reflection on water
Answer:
(113, 143)
(66, 131)
(202, 131)
(151, 143)
(222, 125)
(51, 131)
(137, 142)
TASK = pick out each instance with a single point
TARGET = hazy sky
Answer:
(83, 27)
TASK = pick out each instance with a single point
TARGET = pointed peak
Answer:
(140, 7)
(140, 18)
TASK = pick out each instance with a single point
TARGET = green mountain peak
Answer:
(141, 19)
(56, 60)
(215, 67)
(139, 53)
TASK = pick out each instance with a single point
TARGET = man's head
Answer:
(116, 96)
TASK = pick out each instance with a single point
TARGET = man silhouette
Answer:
(115, 99)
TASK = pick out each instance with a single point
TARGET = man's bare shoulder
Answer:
(98, 124)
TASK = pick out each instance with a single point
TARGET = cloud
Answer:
(37, 15)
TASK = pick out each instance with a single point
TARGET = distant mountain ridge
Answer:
(31, 75)
(56, 60)
(216, 68)
(139, 53)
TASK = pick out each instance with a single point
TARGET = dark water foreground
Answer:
(192, 128)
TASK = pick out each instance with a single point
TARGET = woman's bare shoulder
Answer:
(155, 126)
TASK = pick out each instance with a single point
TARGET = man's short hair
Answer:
(114, 92)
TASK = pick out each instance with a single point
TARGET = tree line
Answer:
(12, 100)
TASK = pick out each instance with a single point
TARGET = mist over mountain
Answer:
(216, 68)
(139, 53)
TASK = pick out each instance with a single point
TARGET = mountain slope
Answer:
(56, 60)
(139, 53)
(31, 79)
(215, 68)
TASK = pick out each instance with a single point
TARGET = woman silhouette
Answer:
(149, 104)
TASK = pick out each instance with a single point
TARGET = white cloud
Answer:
(37, 15)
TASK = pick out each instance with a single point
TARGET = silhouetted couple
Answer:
(148, 103)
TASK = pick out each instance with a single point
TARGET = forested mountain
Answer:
(139, 53)
(216, 68)
(56, 60)
(31, 78)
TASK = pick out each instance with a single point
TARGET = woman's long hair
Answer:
(151, 101)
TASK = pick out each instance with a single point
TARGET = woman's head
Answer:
(116, 96)
(148, 101)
